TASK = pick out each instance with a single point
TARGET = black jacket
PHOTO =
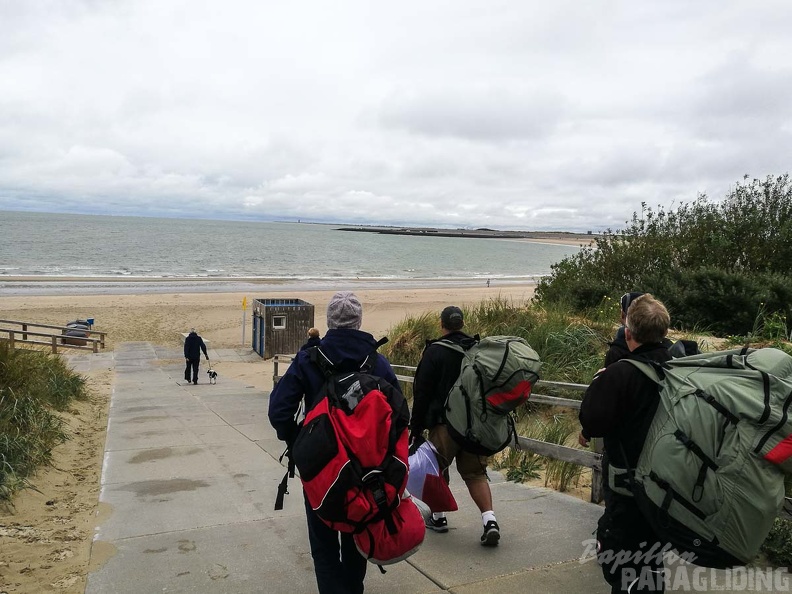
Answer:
(438, 370)
(618, 349)
(312, 342)
(193, 345)
(619, 406)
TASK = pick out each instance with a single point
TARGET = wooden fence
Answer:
(589, 459)
(21, 333)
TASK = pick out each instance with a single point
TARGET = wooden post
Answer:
(95, 346)
(54, 343)
(11, 338)
(102, 340)
(24, 331)
(275, 377)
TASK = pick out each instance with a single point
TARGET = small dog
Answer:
(212, 375)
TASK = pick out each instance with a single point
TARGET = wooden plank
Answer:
(48, 334)
(48, 343)
(786, 511)
(565, 385)
(559, 452)
(554, 401)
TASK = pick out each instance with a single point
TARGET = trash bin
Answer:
(75, 333)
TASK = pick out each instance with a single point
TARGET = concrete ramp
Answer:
(189, 481)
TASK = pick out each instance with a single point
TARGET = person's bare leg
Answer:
(481, 494)
(482, 497)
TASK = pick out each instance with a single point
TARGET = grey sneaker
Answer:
(491, 534)
(438, 525)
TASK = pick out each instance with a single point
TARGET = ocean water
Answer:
(61, 248)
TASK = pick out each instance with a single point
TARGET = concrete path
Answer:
(189, 481)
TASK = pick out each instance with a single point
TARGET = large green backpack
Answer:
(710, 477)
(496, 376)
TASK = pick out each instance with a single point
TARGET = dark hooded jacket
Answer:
(620, 404)
(618, 349)
(193, 345)
(347, 349)
(435, 376)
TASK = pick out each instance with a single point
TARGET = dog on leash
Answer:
(212, 375)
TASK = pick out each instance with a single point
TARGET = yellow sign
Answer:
(244, 302)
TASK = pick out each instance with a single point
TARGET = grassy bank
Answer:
(34, 387)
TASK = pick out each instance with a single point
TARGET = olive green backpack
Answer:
(710, 477)
(496, 376)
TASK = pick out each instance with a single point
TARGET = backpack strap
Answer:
(283, 487)
(651, 369)
(456, 346)
(318, 357)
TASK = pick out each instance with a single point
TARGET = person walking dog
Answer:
(193, 345)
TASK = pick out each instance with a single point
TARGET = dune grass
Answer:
(571, 347)
(34, 387)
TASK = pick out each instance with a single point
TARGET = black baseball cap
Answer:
(451, 318)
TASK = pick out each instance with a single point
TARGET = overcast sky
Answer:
(522, 114)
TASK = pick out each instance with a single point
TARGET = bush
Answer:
(733, 254)
(778, 545)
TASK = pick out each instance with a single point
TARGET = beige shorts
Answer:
(471, 467)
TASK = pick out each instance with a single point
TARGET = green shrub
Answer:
(33, 385)
(712, 264)
(778, 545)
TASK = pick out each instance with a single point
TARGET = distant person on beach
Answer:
(338, 565)
(488, 281)
(437, 371)
(193, 345)
(313, 339)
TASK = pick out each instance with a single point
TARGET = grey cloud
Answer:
(474, 112)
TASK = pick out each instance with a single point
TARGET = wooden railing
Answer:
(589, 459)
(21, 333)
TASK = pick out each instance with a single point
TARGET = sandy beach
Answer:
(46, 534)
(162, 317)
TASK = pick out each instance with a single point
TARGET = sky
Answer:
(530, 115)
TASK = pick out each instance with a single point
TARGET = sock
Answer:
(488, 516)
(438, 515)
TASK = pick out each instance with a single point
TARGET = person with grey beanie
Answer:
(338, 565)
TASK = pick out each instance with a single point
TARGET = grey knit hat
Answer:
(344, 311)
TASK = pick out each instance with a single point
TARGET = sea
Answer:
(44, 253)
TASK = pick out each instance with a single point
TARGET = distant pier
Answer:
(474, 233)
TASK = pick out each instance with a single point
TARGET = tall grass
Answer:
(559, 429)
(33, 387)
(572, 348)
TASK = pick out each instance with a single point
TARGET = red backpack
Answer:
(351, 453)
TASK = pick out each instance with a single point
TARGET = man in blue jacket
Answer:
(338, 565)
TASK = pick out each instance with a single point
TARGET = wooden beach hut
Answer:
(280, 326)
